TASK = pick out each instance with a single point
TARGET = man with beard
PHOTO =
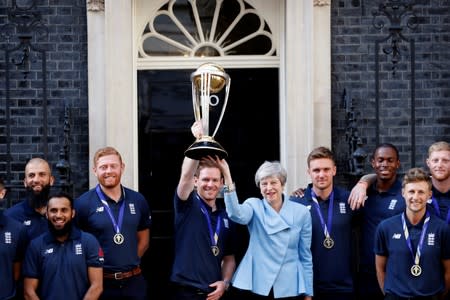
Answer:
(31, 211)
(64, 263)
(438, 162)
(120, 219)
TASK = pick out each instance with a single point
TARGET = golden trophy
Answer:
(208, 95)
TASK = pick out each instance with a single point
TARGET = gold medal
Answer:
(215, 250)
(118, 238)
(416, 270)
(328, 243)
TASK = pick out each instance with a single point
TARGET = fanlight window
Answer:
(197, 28)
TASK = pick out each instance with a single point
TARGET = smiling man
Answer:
(120, 219)
(31, 211)
(204, 256)
(332, 221)
(413, 248)
(64, 263)
(438, 162)
(384, 200)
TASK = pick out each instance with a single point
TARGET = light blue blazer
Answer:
(278, 253)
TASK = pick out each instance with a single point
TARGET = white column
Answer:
(121, 105)
(296, 119)
(112, 107)
(96, 80)
(322, 73)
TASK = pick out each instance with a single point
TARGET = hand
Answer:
(197, 129)
(220, 288)
(223, 166)
(358, 195)
(298, 193)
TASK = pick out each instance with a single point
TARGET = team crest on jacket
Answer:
(392, 204)
(431, 239)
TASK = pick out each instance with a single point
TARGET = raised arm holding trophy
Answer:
(210, 90)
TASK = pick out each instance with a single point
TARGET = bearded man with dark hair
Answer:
(31, 211)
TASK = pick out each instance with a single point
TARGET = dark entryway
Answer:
(249, 132)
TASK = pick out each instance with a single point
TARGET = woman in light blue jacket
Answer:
(278, 262)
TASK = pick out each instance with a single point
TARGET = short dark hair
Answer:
(320, 152)
(61, 194)
(386, 145)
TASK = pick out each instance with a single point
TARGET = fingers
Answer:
(197, 129)
(357, 196)
(218, 292)
(299, 193)
(356, 201)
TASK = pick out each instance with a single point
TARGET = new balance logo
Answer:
(396, 236)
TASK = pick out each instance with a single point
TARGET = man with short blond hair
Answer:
(413, 248)
(438, 163)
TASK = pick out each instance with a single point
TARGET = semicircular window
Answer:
(197, 28)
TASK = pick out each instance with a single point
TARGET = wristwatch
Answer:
(229, 188)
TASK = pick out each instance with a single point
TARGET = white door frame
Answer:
(305, 83)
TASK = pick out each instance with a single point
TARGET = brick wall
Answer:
(353, 69)
(66, 63)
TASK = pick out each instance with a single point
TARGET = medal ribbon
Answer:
(415, 258)
(116, 225)
(326, 227)
(438, 211)
(214, 236)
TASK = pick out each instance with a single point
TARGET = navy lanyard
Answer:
(214, 236)
(326, 227)
(116, 225)
(416, 258)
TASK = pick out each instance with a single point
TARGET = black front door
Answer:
(249, 132)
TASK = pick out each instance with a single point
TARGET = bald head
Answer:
(38, 174)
